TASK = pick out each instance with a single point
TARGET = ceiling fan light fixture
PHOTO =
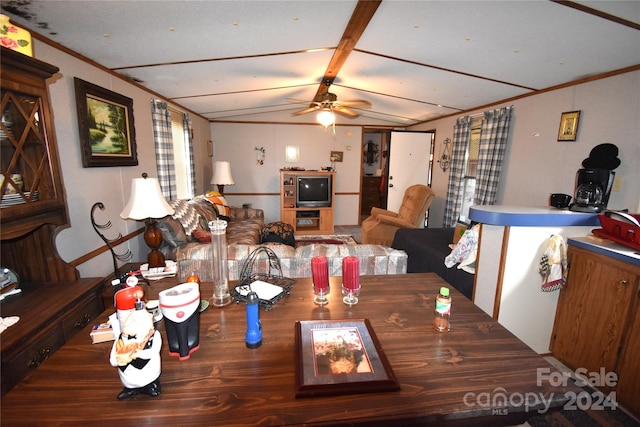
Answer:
(326, 117)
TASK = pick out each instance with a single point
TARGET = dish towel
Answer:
(465, 251)
(553, 264)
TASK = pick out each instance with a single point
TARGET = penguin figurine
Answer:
(136, 354)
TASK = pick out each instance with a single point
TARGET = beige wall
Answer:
(538, 165)
(236, 143)
(109, 185)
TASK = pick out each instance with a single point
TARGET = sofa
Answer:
(186, 239)
(427, 249)
(295, 262)
(188, 227)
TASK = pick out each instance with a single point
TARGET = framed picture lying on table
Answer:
(340, 357)
(105, 121)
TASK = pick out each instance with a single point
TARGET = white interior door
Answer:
(409, 163)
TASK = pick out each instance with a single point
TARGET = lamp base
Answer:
(153, 239)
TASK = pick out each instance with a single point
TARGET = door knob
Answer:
(390, 185)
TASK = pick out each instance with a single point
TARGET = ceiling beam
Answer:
(362, 14)
(599, 13)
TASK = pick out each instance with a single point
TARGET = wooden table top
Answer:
(451, 378)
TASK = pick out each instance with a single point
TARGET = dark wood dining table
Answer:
(476, 374)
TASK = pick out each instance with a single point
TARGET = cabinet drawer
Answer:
(25, 361)
(78, 318)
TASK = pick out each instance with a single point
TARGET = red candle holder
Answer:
(350, 280)
(320, 276)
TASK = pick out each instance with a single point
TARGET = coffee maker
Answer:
(595, 180)
(593, 187)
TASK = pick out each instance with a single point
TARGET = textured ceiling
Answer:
(260, 61)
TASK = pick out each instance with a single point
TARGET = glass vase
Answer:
(221, 295)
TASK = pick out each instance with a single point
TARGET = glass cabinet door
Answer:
(26, 175)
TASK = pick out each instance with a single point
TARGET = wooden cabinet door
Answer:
(628, 390)
(592, 311)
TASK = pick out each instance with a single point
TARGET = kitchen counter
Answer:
(531, 216)
(607, 247)
(508, 285)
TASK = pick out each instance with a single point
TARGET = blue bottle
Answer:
(253, 337)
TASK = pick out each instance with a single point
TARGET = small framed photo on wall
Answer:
(568, 126)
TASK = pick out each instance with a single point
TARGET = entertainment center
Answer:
(306, 200)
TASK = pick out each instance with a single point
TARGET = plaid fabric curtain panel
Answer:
(163, 140)
(456, 175)
(493, 144)
(188, 137)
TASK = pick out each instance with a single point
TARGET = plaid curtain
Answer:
(455, 189)
(188, 138)
(163, 140)
(493, 144)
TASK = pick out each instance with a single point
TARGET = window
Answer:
(471, 169)
(181, 156)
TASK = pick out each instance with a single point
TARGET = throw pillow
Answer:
(278, 232)
(201, 235)
(186, 214)
(172, 231)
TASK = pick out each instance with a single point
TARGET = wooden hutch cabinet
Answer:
(371, 194)
(597, 324)
(305, 220)
(54, 302)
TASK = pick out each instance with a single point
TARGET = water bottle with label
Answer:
(441, 322)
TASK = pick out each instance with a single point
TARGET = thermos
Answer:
(253, 337)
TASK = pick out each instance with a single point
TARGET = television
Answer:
(313, 191)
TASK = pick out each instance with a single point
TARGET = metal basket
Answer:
(248, 275)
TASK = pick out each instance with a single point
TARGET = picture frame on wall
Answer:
(340, 357)
(569, 126)
(337, 156)
(106, 126)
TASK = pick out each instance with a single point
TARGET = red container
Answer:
(619, 227)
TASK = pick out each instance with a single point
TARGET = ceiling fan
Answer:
(327, 103)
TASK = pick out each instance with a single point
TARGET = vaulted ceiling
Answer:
(261, 61)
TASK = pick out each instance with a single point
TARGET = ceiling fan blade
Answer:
(301, 101)
(357, 103)
(305, 111)
(343, 111)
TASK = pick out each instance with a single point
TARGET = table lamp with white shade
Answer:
(222, 176)
(147, 203)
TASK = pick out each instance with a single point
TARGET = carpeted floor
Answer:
(353, 230)
(601, 417)
(586, 418)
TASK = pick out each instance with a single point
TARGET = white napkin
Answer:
(5, 322)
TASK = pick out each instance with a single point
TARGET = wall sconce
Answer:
(445, 158)
(291, 154)
(260, 156)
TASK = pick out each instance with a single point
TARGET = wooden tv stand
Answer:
(315, 220)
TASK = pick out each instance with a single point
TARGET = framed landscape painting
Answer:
(105, 121)
(340, 357)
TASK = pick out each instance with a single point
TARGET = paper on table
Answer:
(266, 291)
